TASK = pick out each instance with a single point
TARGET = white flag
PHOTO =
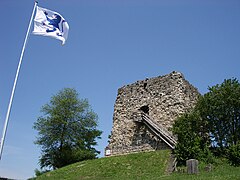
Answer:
(50, 23)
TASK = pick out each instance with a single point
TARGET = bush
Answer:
(233, 154)
(193, 141)
(39, 172)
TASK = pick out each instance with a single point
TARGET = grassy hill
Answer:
(150, 165)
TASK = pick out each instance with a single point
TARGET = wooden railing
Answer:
(157, 129)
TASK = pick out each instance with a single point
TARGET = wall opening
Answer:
(145, 109)
(144, 85)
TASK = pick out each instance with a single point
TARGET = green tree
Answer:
(214, 122)
(220, 108)
(193, 139)
(67, 131)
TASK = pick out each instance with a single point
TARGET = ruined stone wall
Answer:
(164, 98)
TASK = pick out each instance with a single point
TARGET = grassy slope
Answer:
(151, 165)
(133, 166)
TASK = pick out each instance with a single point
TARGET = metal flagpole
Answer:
(15, 83)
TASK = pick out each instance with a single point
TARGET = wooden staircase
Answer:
(157, 129)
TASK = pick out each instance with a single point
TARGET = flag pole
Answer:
(15, 83)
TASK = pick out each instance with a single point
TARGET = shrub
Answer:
(233, 154)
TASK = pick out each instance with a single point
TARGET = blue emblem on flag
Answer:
(53, 23)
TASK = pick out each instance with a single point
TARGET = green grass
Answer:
(133, 166)
(141, 166)
(221, 171)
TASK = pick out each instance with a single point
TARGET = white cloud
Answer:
(11, 174)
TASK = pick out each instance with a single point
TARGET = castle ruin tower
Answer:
(145, 111)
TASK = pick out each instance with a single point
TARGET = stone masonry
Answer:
(162, 98)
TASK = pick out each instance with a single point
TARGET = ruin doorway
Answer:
(145, 109)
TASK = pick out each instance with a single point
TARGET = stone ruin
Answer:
(145, 111)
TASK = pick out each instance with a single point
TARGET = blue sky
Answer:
(111, 43)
